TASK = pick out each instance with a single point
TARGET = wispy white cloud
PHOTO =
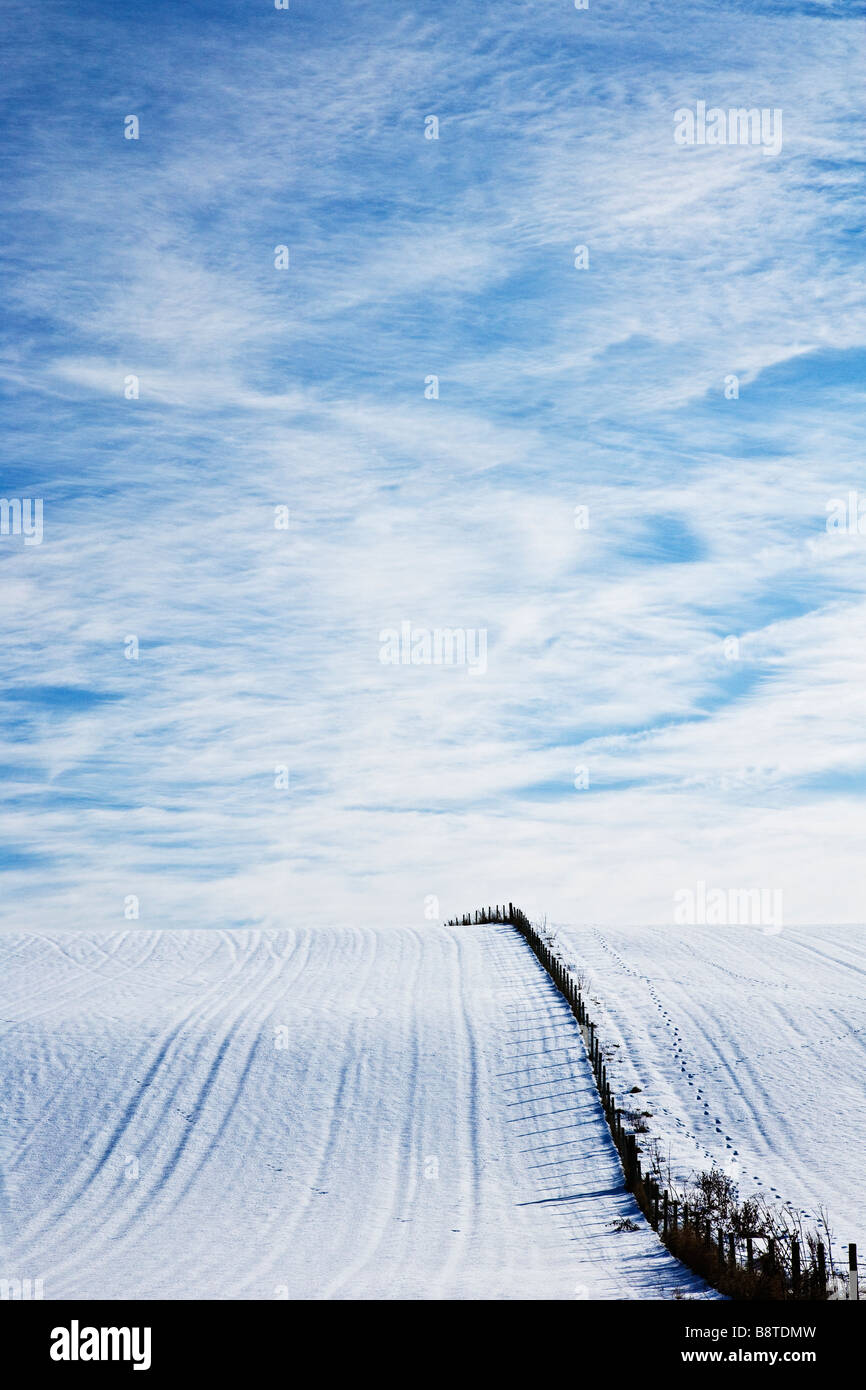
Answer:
(558, 388)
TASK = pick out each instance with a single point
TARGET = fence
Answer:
(738, 1262)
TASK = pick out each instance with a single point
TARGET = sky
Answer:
(622, 474)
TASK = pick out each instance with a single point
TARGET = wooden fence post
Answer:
(822, 1269)
(853, 1283)
(795, 1266)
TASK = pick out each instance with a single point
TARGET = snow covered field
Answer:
(320, 1113)
(750, 1050)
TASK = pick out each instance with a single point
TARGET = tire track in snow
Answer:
(346, 1089)
(161, 1058)
(403, 1150)
(125, 1205)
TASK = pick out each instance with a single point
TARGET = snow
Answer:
(749, 1049)
(340, 1113)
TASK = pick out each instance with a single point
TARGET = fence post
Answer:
(822, 1269)
(853, 1284)
(632, 1161)
(795, 1266)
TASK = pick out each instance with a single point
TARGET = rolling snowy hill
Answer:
(749, 1049)
(323, 1113)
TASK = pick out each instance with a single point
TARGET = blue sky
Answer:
(559, 388)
